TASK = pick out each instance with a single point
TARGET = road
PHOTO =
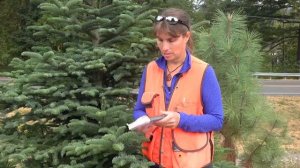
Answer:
(268, 87)
(3, 79)
(280, 87)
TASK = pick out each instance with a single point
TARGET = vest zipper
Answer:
(166, 108)
(160, 146)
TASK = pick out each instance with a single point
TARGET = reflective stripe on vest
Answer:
(176, 148)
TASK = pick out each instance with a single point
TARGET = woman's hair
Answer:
(174, 30)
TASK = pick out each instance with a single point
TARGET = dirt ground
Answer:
(289, 108)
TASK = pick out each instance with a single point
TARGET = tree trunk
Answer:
(298, 49)
(248, 163)
(231, 155)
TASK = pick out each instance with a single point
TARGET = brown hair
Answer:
(177, 29)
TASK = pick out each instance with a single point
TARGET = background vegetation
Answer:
(276, 21)
(75, 62)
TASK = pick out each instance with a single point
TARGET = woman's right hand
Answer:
(171, 119)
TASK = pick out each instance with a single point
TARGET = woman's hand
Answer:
(171, 120)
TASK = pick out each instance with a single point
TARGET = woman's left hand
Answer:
(171, 120)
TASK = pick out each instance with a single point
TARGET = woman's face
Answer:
(172, 48)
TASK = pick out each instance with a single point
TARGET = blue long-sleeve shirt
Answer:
(212, 120)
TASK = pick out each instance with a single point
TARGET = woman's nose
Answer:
(165, 46)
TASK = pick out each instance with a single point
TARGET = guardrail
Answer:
(269, 75)
(272, 75)
(4, 79)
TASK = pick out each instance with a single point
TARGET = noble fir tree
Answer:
(71, 95)
(252, 131)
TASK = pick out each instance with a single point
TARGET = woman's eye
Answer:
(172, 40)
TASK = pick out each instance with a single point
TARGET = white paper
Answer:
(139, 122)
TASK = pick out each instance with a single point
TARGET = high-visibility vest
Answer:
(176, 148)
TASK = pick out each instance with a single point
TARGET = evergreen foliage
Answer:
(14, 38)
(9, 23)
(276, 21)
(252, 131)
(70, 97)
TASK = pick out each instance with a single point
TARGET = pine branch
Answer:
(248, 162)
(277, 43)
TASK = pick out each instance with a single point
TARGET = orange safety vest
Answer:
(176, 148)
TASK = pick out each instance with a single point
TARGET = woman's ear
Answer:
(187, 36)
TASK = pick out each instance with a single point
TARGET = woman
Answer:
(184, 89)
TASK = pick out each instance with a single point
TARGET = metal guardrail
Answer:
(4, 79)
(271, 75)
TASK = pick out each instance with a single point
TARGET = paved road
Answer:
(280, 87)
(269, 87)
(3, 79)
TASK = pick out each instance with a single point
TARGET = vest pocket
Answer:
(192, 152)
(151, 102)
(147, 146)
(189, 141)
(191, 159)
(186, 106)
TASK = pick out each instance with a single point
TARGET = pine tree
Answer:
(71, 94)
(252, 131)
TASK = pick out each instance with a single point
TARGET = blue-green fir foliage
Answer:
(71, 96)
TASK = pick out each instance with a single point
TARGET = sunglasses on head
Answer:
(172, 20)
